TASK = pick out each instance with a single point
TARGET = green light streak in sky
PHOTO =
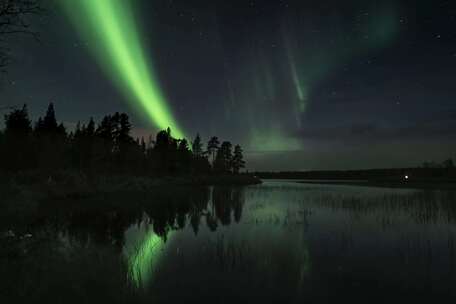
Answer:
(309, 66)
(301, 90)
(109, 27)
(311, 58)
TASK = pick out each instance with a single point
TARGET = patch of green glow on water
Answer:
(143, 260)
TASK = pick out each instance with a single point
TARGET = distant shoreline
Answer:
(431, 185)
(418, 178)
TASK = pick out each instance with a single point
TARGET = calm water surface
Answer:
(279, 241)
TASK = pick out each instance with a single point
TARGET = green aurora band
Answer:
(380, 30)
(312, 59)
(110, 27)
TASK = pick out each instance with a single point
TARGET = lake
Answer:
(277, 242)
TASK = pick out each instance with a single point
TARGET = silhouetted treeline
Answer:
(448, 164)
(108, 147)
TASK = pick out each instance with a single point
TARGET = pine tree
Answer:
(197, 147)
(124, 142)
(143, 145)
(17, 140)
(184, 156)
(50, 141)
(90, 130)
(17, 122)
(212, 147)
(104, 149)
(49, 121)
(223, 158)
(238, 159)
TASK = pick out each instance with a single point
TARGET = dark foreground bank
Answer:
(75, 184)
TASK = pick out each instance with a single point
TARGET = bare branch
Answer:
(15, 20)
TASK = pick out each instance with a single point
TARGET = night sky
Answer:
(299, 84)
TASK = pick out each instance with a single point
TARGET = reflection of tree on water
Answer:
(218, 204)
(105, 219)
(227, 201)
(235, 256)
(225, 204)
(144, 257)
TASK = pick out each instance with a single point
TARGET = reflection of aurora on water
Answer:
(144, 258)
(263, 236)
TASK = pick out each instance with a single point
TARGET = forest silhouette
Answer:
(108, 148)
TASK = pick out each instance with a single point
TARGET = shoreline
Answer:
(77, 185)
(419, 185)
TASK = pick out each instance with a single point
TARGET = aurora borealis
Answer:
(116, 41)
(294, 82)
(227, 151)
(306, 71)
